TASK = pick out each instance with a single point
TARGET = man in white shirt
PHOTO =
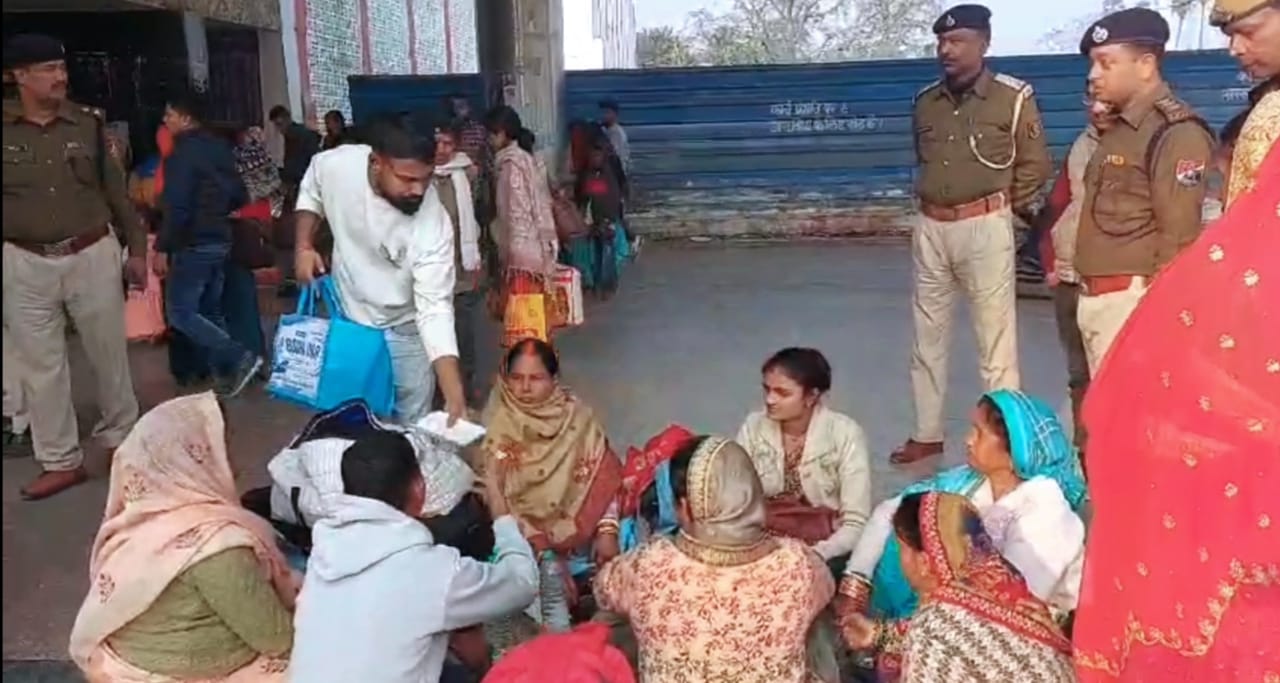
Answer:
(617, 135)
(393, 256)
(380, 598)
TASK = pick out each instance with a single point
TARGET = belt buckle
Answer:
(60, 248)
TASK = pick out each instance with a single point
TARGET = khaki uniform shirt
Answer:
(1144, 188)
(949, 128)
(54, 186)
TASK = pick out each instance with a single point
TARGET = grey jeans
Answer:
(411, 368)
(467, 309)
(1066, 299)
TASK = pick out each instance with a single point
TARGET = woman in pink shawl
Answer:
(525, 231)
(184, 583)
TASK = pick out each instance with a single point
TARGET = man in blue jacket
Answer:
(201, 190)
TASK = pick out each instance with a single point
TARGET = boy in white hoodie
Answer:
(380, 597)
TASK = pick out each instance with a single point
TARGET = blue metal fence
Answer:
(812, 147)
(826, 134)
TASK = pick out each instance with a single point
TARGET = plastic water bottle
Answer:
(555, 604)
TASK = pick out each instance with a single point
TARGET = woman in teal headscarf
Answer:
(1024, 477)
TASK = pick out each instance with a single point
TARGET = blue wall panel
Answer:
(826, 134)
(811, 147)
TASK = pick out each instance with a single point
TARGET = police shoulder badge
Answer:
(1189, 172)
(1100, 34)
(1035, 129)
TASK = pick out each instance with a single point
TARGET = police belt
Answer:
(974, 209)
(65, 247)
(1097, 285)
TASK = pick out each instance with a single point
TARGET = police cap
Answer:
(32, 48)
(1227, 12)
(1134, 26)
(974, 17)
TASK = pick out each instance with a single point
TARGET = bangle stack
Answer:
(608, 527)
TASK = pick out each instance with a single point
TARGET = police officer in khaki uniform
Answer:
(983, 159)
(1253, 29)
(60, 193)
(1144, 186)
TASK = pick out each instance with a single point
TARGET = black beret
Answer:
(974, 17)
(32, 48)
(1135, 26)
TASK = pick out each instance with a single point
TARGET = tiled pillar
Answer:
(521, 50)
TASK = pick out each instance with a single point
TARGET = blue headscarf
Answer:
(1039, 447)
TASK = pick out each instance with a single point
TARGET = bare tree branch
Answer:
(790, 31)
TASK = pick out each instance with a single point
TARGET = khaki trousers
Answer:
(1102, 317)
(39, 294)
(975, 256)
(15, 393)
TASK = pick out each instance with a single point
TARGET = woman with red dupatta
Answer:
(1182, 567)
(978, 622)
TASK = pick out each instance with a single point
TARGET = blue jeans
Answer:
(240, 307)
(187, 362)
(196, 279)
(414, 377)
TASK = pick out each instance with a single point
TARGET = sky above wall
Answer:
(1017, 25)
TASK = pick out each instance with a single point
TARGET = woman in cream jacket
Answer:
(811, 460)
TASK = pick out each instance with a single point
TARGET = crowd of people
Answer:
(381, 552)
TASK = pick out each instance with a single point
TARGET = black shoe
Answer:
(231, 385)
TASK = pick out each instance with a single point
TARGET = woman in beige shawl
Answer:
(722, 600)
(561, 477)
(184, 583)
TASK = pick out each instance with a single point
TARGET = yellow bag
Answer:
(525, 316)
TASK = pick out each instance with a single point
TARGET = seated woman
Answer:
(977, 621)
(1024, 479)
(722, 599)
(812, 461)
(562, 478)
(184, 583)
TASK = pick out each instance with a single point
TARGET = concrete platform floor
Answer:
(682, 342)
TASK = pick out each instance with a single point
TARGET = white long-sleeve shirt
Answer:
(1033, 526)
(1063, 232)
(621, 144)
(390, 268)
(380, 598)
